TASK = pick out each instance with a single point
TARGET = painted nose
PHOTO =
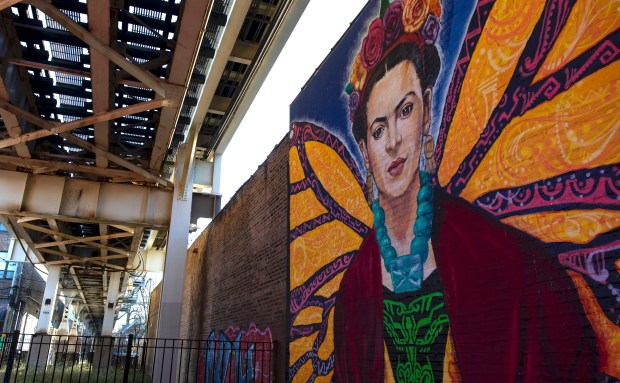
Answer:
(393, 138)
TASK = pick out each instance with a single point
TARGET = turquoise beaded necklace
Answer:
(407, 271)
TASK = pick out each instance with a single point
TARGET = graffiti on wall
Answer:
(239, 356)
(455, 196)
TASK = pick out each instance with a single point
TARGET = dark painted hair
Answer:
(427, 65)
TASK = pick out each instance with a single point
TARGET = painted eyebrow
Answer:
(400, 104)
(378, 119)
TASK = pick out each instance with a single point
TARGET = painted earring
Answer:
(369, 192)
(429, 153)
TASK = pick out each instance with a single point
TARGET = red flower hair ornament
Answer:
(402, 21)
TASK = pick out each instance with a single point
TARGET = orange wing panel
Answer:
(327, 347)
(309, 315)
(579, 226)
(588, 23)
(577, 129)
(338, 180)
(305, 206)
(507, 30)
(318, 247)
(296, 172)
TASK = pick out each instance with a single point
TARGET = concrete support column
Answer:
(49, 300)
(78, 319)
(217, 173)
(105, 344)
(42, 341)
(169, 321)
(110, 307)
(64, 329)
(168, 324)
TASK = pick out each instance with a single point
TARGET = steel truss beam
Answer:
(218, 64)
(7, 3)
(73, 200)
(76, 72)
(195, 17)
(95, 43)
(95, 119)
(45, 166)
(82, 143)
(99, 24)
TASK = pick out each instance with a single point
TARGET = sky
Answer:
(267, 120)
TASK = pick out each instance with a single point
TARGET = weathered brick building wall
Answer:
(151, 323)
(29, 283)
(5, 241)
(236, 270)
(29, 287)
(193, 310)
(32, 288)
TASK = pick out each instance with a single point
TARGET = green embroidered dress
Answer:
(416, 331)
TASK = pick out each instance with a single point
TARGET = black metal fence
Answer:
(58, 358)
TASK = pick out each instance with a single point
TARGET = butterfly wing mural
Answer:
(526, 129)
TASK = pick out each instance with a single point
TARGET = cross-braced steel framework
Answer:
(97, 95)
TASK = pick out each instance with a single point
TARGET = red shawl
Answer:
(515, 316)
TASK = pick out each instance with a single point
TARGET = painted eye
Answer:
(377, 133)
(406, 110)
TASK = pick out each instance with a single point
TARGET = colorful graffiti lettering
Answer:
(455, 196)
(238, 356)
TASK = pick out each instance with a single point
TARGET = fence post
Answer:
(274, 361)
(128, 359)
(12, 351)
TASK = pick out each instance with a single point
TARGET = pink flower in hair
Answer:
(393, 21)
(354, 103)
(430, 30)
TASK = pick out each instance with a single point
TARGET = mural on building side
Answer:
(455, 196)
(235, 355)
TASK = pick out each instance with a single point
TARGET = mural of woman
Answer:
(409, 306)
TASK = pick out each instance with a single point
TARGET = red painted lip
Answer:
(396, 167)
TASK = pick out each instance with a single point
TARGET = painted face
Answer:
(395, 124)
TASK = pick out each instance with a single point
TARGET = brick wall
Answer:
(151, 323)
(236, 270)
(5, 241)
(30, 290)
